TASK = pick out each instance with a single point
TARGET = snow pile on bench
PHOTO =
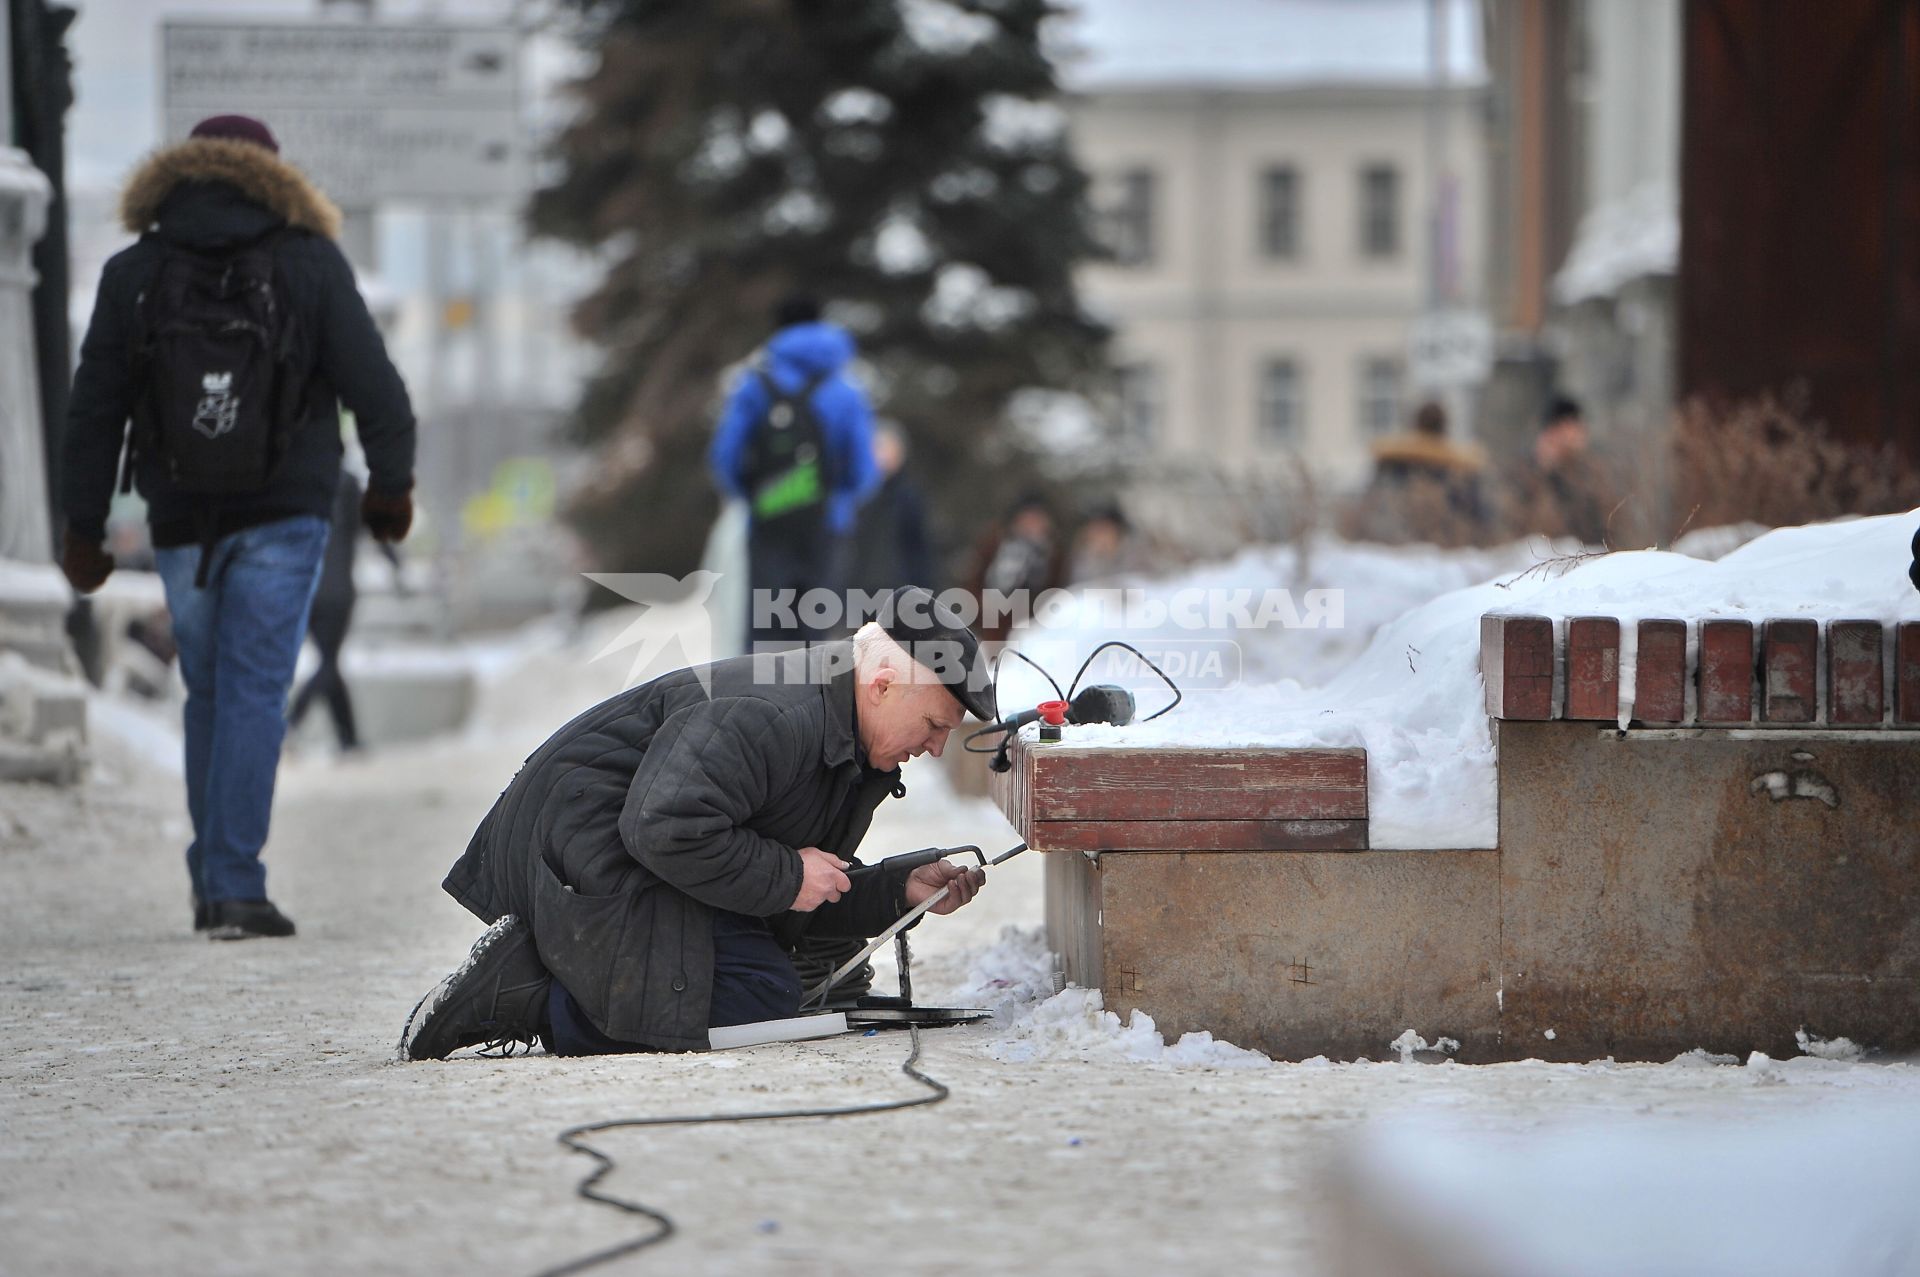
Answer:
(1413, 698)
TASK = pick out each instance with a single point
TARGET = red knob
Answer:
(1052, 713)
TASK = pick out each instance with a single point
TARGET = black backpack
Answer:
(219, 384)
(786, 467)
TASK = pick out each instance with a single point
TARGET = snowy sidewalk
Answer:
(175, 1106)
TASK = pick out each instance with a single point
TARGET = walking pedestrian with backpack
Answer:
(796, 441)
(330, 616)
(221, 349)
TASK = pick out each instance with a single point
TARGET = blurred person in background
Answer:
(1017, 561)
(796, 442)
(331, 615)
(1425, 487)
(230, 335)
(1562, 489)
(1104, 548)
(891, 547)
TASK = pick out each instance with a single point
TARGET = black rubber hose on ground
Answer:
(574, 1140)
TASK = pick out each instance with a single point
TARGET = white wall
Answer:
(1212, 307)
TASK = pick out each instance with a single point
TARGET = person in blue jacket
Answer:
(795, 441)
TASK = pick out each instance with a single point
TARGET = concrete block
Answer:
(63, 764)
(1293, 953)
(40, 707)
(1593, 668)
(1072, 883)
(1726, 672)
(1660, 672)
(1856, 677)
(1789, 660)
(1705, 891)
(1516, 663)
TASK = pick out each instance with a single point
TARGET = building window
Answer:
(1138, 421)
(1126, 218)
(1380, 211)
(1280, 212)
(1283, 409)
(1379, 396)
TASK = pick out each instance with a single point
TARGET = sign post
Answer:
(372, 112)
(1450, 349)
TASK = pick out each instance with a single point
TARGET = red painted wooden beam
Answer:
(1593, 668)
(1726, 672)
(1516, 661)
(1660, 672)
(1856, 678)
(1789, 659)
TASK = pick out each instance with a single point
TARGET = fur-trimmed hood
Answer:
(257, 173)
(1433, 452)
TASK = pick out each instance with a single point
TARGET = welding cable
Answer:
(1006, 727)
(574, 1140)
(1074, 686)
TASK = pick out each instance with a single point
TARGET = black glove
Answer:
(86, 563)
(1913, 568)
(388, 515)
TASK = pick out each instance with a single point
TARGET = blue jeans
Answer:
(238, 639)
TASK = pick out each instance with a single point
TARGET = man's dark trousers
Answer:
(781, 568)
(753, 980)
(329, 624)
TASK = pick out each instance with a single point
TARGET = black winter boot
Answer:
(497, 997)
(246, 919)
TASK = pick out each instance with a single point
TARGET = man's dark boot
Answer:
(499, 995)
(202, 913)
(246, 919)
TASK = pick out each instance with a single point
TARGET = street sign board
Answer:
(1450, 349)
(372, 112)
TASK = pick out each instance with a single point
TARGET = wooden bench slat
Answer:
(1516, 663)
(1660, 672)
(1593, 668)
(1726, 672)
(1196, 784)
(1906, 672)
(1856, 676)
(1789, 655)
(1198, 835)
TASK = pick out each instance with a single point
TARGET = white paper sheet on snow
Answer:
(800, 1028)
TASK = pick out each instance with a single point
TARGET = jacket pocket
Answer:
(584, 940)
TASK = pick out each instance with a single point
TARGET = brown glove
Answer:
(387, 515)
(86, 563)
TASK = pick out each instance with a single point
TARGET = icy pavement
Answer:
(175, 1106)
(172, 1105)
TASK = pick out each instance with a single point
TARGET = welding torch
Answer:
(915, 859)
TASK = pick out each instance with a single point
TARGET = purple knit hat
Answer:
(239, 128)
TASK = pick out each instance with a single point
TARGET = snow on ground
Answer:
(1400, 675)
(178, 1106)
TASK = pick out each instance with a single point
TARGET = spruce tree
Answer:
(903, 160)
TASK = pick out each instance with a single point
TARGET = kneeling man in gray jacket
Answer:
(652, 866)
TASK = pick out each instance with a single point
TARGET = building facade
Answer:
(1272, 248)
(1583, 135)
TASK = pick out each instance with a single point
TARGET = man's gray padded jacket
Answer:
(622, 835)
